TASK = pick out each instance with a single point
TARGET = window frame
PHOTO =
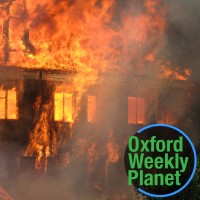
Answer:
(137, 108)
(6, 105)
(63, 108)
(166, 107)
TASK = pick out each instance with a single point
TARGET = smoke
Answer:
(183, 31)
(182, 48)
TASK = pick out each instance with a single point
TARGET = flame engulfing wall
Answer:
(81, 35)
(87, 37)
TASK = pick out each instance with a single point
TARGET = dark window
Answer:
(166, 114)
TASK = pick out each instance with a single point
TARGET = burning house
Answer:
(75, 84)
(37, 113)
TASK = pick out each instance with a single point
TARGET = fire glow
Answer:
(8, 104)
(80, 37)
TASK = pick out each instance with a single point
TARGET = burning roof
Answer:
(80, 35)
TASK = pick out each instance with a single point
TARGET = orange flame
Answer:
(80, 35)
(175, 73)
(92, 157)
(39, 144)
(112, 148)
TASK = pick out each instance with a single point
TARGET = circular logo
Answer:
(160, 160)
